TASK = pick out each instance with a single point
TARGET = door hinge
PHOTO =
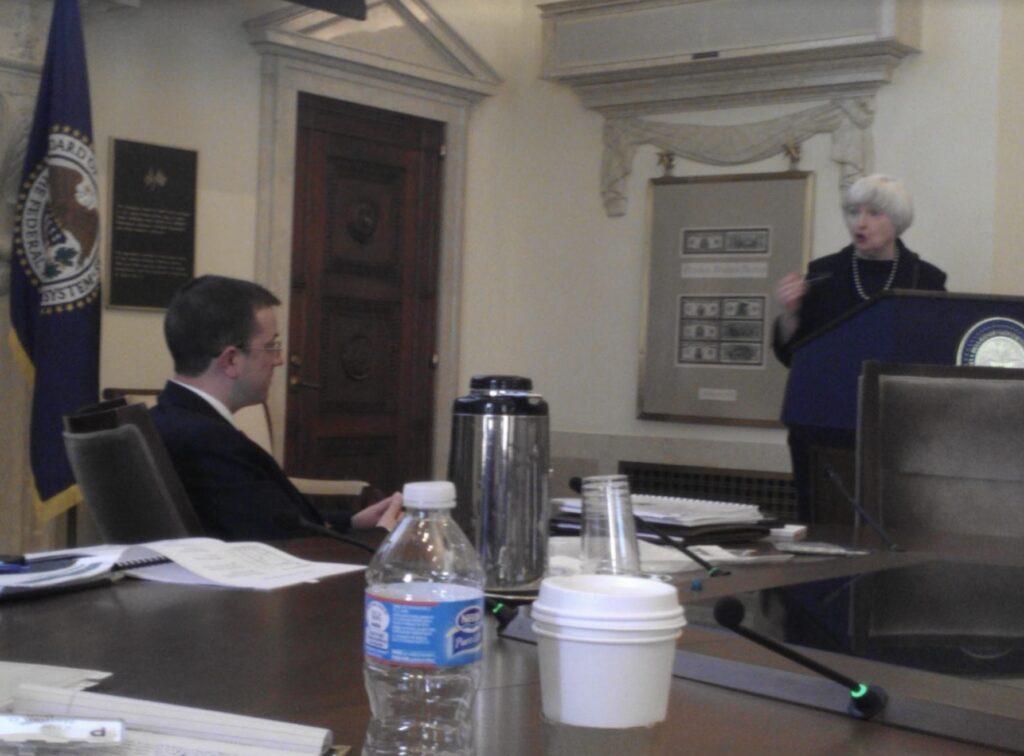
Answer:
(442, 151)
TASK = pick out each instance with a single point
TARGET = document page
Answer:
(193, 561)
(207, 561)
(13, 674)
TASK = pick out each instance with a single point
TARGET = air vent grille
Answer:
(773, 492)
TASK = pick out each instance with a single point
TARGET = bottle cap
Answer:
(431, 494)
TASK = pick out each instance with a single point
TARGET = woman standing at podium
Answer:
(877, 210)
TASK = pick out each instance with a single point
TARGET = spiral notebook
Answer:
(684, 512)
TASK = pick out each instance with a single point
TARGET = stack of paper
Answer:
(156, 729)
(13, 674)
(564, 557)
(150, 728)
(687, 513)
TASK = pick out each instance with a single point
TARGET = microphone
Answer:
(502, 612)
(865, 700)
(668, 540)
(858, 509)
(287, 520)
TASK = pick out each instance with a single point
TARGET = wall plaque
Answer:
(153, 224)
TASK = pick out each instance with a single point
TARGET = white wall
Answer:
(1008, 270)
(179, 73)
(552, 287)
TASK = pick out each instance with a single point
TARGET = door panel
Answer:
(363, 295)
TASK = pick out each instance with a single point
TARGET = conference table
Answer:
(295, 655)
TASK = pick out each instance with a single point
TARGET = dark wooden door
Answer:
(361, 339)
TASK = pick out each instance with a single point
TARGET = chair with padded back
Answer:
(939, 452)
(130, 487)
(254, 421)
(939, 449)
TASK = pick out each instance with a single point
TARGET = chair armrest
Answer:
(324, 487)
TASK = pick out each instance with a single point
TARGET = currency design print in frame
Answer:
(716, 246)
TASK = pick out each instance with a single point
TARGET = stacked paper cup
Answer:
(606, 645)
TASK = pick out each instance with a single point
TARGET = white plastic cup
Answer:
(606, 645)
(608, 538)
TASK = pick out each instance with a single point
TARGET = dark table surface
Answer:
(295, 655)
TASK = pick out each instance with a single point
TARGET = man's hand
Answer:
(384, 514)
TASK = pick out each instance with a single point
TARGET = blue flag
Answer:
(55, 269)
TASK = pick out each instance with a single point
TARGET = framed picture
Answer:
(717, 245)
(153, 223)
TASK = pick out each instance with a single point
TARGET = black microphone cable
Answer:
(288, 520)
(576, 485)
(502, 611)
(859, 510)
(668, 540)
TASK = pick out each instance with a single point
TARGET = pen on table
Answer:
(63, 557)
(16, 563)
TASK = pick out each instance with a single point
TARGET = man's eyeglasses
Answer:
(273, 346)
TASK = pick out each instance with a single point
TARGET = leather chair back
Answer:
(129, 484)
(939, 449)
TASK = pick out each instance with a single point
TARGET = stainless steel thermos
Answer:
(499, 463)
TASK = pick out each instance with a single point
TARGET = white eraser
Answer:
(788, 533)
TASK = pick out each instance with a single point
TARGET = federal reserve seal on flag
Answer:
(993, 342)
(57, 237)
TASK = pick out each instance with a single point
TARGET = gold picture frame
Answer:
(716, 247)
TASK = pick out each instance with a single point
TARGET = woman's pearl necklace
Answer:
(888, 282)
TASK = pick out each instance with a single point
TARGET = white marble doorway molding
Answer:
(403, 58)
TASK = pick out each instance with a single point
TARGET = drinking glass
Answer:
(609, 531)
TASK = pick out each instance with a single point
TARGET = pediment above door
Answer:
(401, 39)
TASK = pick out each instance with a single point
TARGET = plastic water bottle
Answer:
(423, 630)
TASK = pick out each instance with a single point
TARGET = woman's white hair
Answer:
(884, 193)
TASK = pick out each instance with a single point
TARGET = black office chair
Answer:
(939, 449)
(126, 477)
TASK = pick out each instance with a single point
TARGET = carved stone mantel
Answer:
(632, 58)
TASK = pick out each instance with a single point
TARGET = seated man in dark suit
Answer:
(222, 333)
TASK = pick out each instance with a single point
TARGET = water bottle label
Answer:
(423, 633)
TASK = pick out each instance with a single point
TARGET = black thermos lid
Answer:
(500, 383)
(500, 395)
